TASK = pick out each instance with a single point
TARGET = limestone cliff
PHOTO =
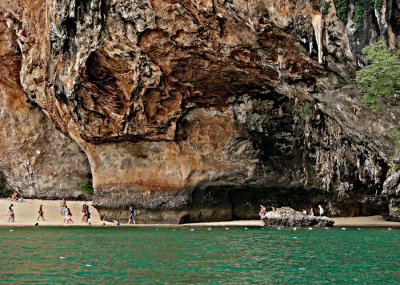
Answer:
(200, 110)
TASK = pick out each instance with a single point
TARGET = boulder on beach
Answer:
(288, 217)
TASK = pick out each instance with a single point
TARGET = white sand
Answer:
(26, 213)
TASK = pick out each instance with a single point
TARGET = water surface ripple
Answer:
(109, 255)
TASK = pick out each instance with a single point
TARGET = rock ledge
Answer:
(289, 217)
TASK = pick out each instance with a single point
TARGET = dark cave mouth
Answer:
(243, 203)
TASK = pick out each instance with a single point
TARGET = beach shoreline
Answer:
(26, 214)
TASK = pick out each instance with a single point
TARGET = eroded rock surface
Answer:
(36, 159)
(287, 217)
(200, 110)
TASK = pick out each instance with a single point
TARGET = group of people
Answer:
(311, 213)
(263, 211)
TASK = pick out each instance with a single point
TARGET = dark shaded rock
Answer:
(287, 217)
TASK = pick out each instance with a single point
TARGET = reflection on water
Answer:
(168, 255)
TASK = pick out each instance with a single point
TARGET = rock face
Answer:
(35, 159)
(200, 110)
(287, 217)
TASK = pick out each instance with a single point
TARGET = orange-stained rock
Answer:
(35, 159)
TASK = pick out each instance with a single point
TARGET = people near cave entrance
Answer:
(263, 212)
(311, 211)
(304, 212)
(321, 210)
(131, 216)
(63, 205)
(40, 213)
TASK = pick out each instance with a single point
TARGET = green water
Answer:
(112, 255)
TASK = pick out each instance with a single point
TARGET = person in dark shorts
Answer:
(131, 215)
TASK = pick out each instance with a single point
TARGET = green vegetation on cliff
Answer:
(86, 186)
(381, 77)
(360, 9)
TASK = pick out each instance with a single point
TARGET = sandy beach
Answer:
(26, 214)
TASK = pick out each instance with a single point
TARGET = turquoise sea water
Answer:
(109, 255)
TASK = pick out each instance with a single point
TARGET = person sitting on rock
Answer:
(311, 211)
(321, 210)
(304, 212)
(263, 212)
(14, 196)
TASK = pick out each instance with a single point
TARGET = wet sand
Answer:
(369, 221)
(26, 214)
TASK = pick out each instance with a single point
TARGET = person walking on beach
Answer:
(67, 216)
(41, 213)
(87, 214)
(11, 216)
(84, 213)
(321, 210)
(131, 215)
(63, 205)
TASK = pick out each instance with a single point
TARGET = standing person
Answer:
(67, 216)
(41, 213)
(263, 212)
(84, 213)
(63, 205)
(131, 215)
(87, 214)
(11, 216)
(70, 215)
(311, 211)
(321, 210)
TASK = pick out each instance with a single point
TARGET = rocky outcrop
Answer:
(194, 111)
(287, 217)
(36, 159)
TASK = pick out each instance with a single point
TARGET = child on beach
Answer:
(67, 216)
(11, 217)
(40, 213)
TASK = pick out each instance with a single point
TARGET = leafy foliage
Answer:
(324, 7)
(86, 186)
(381, 77)
(4, 189)
(342, 9)
(307, 111)
(360, 9)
